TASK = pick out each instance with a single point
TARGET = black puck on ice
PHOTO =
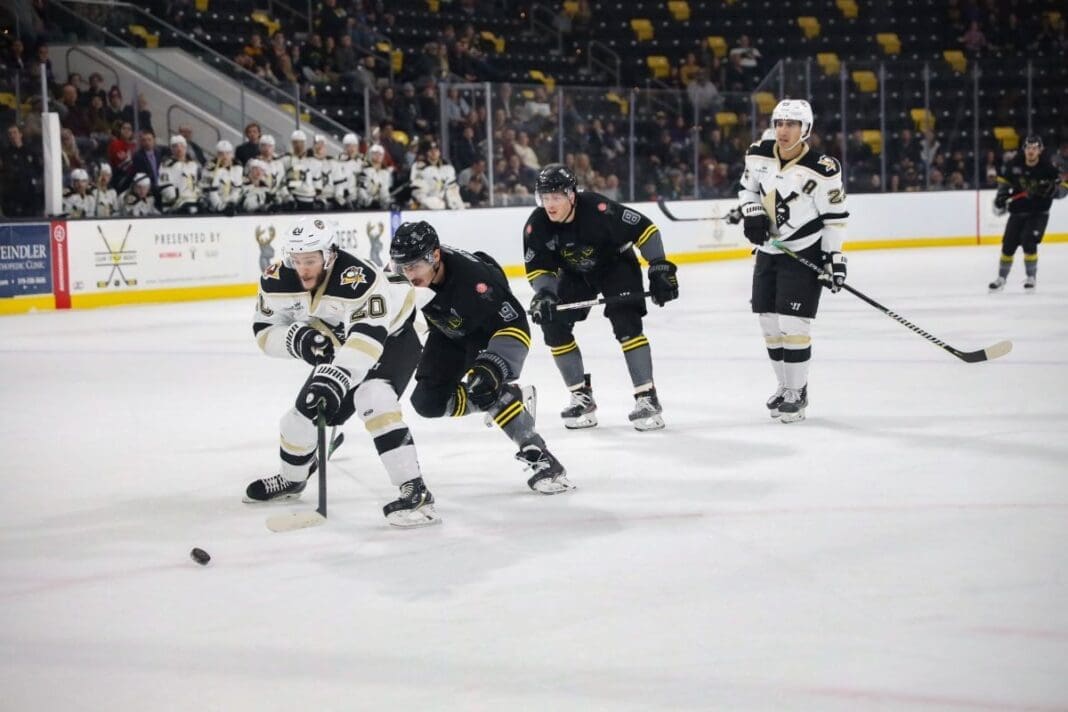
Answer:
(200, 556)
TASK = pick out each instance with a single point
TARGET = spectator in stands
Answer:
(749, 56)
(406, 110)
(344, 60)
(956, 181)
(97, 122)
(477, 167)
(973, 39)
(35, 68)
(363, 77)
(689, 69)
(148, 157)
(332, 21)
(736, 76)
(311, 62)
(382, 105)
(21, 177)
(113, 110)
(704, 96)
(13, 62)
(69, 153)
(526, 153)
(464, 151)
(279, 61)
(144, 115)
(611, 188)
(251, 147)
(96, 88)
(120, 155)
(907, 147)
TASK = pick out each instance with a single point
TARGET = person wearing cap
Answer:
(179, 178)
(79, 200)
(1027, 187)
(346, 172)
(104, 196)
(375, 183)
(433, 182)
(301, 179)
(222, 181)
(137, 201)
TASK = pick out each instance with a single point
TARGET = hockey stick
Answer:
(674, 218)
(302, 520)
(991, 352)
(615, 299)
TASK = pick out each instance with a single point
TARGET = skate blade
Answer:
(295, 520)
(654, 422)
(425, 516)
(274, 500)
(583, 421)
(774, 413)
(550, 485)
(792, 417)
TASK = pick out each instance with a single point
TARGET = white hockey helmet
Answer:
(78, 174)
(298, 135)
(178, 140)
(350, 139)
(105, 168)
(224, 146)
(794, 110)
(267, 139)
(310, 235)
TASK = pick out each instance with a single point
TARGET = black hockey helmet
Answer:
(555, 178)
(413, 241)
(1033, 140)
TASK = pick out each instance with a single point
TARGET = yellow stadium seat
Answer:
(956, 60)
(384, 47)
(1007, 136)
(718, 45)
(621, 102)
(890, 42)
(873, 138)
(151, 41)
(539, 76)
(726, 120)
(866, 81)
(810, 26)
(571, 7)
(201, 5)
(498, 42)
(658, 65)
(8, 99)
(848, 8)
(922, 119)
(264, 19)
(433, 5)
(643, 29)
(679, 9)
(305, 117)
(765, 102)
(829, 62)
(396, 60)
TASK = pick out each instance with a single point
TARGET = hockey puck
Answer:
(200, 556)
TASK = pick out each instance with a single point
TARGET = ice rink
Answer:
(906, 547)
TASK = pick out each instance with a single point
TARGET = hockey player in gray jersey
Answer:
(80, 200)
(355, 326)
(792, 194)
(179, 180)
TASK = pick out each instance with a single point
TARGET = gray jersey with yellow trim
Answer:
(803, 197)
(357, 306)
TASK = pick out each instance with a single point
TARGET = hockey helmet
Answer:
(78, 174)
(224, 146)
(413, 241)
(1033, 141)
(554, 178)
(350, 139)
(267, 139)
(310, 235)
(794, 110)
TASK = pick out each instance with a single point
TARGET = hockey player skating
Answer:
(475, 348)
(792, 194)
(576, 246)
(1027, 186)
(346, 318)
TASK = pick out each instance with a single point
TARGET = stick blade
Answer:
(291, 521)
(990, 352)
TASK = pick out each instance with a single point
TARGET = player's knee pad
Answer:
(626, 324)
(378, 407)
(769, 325)
(558, 334)
(796, 337)
(431, 401)
(297, 432)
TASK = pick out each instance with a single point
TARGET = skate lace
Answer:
(536, 465)
(644, 402)
(581, 399)
(406, 490)
(275, 484)
(791, 395)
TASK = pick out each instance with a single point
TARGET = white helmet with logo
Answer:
(794, 110)
(310, 235)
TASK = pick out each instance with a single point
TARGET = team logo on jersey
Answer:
(528, 255)
(508, 312)
(582, 258)
(272, 271)
(630, 217)
(354, 276)
(319, 224)
(782, 209)
(264, 309)
(828, 163)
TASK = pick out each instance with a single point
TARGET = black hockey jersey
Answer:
(1031, 189)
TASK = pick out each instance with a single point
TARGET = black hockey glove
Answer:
(1001, 203)
(663, 283)
(835, 276)
(543, 307)
(485, 380)
(310, 344)
(328, 383)
(756, 223)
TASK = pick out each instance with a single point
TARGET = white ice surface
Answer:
(906, 547)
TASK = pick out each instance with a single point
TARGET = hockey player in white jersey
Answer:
(434, 182)
(79, 201)
(222, 182)
(322, 166)
(345, 174)
(355, 326)
(791, 194)
(302, 178)
(257, 193)
(179, 180)
(376, 180)
(137, 201)
(276, 169)
(107, 200)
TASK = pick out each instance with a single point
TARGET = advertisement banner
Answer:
(25, 265)
(60, 264)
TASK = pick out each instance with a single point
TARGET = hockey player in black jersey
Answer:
(1027, 186)
(355, 326)
(476, 346)
(576, 246)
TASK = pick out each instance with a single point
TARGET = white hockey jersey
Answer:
(357, 306)
(345, 178)
(257, 196)
(76, 205)
(303, 177)
(136, 207)
(107, 202)
(179, 184)
(375, 187)
(221, 186)
(434, 186)
(804, 197)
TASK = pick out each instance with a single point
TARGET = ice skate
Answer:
(548, 476)
(794, 402)
(414, 507)
(1029, 284)
(647, 410)
(997, 285)
(582, 412)
(775, 401)
(530, 402)
(273, 489)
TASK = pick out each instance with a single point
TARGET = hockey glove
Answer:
(328, 383)
(835, 276)
(663, 284)
(734, 215)
(1001, 203)
(485, 380)
(755, 223)
(543, 307)
(310, 344)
